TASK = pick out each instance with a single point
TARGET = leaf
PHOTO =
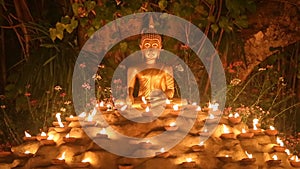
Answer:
(52, 33)
(90, 31)
(90, 5)
(214, 27)
(60, 26)
(211, 19)
(162, 4)
(9, 87)
(60, 34)
(65, 20)
(50, 59)
(75, 7)
(123, 46)
(200, 9)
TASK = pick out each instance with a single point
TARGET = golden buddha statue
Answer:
(153, 76)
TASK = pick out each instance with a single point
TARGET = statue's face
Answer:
(151, 48)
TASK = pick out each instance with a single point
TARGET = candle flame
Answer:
(71, 116)
(86, 160)
(144, 100)
(27, 152)
(168, 101)
(236, 115)
(172, 124)
(59, 120)
(198, 108)
(274, 157)
(272, 128)
(279, 141)
(50, 137)
(43, 134)
(147, 109)
(103, 131)
(101, 103)
(226, 155)
(230, 115)
(225, 129)
(162, 150)
(189, 160)
(249, 155)
(215, 106)
(90, 117)
(27, 134)
(244, 130)
(211, 116)
(82, 115)
(287, 152)
(175, 107)
(63, 156)
(68, 135)
(205, 130)
(255, 122)
(201, 143)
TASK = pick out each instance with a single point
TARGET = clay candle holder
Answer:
(171, 127)
(225, 159)
(198, 147)
(102, 134)
(81, 164)
(125, 166)
(274, 161)
(256, 132)
(145, 145)
(272, 131)
(5, 153)
(72, 118)
(279, 148)
(57, 124)
(189, 163)
(162, 153)
(245, 134)
(234, 119)
(26, 154)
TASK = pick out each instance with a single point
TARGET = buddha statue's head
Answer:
(151, 44)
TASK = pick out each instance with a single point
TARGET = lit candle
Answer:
(226, 133)
(225, 159)
(249, 160)
(189, 163)
(147, 112)
(245, 134)
(255, 129)
(295, 162)
(198, 108)
(162, 153)
(69, 139)
(48, 141)
(272, 131)
(146, 145)
(255, 122)
(59, 120)
(144, 100)
(42, 136)
(234, 119)
(63, 156)
(204, 132)
(72, 118)
(198, 147)
(102, 133)
(274, 161)
(171, 127)
(60, 160)
(28, 137)
(82, 115)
